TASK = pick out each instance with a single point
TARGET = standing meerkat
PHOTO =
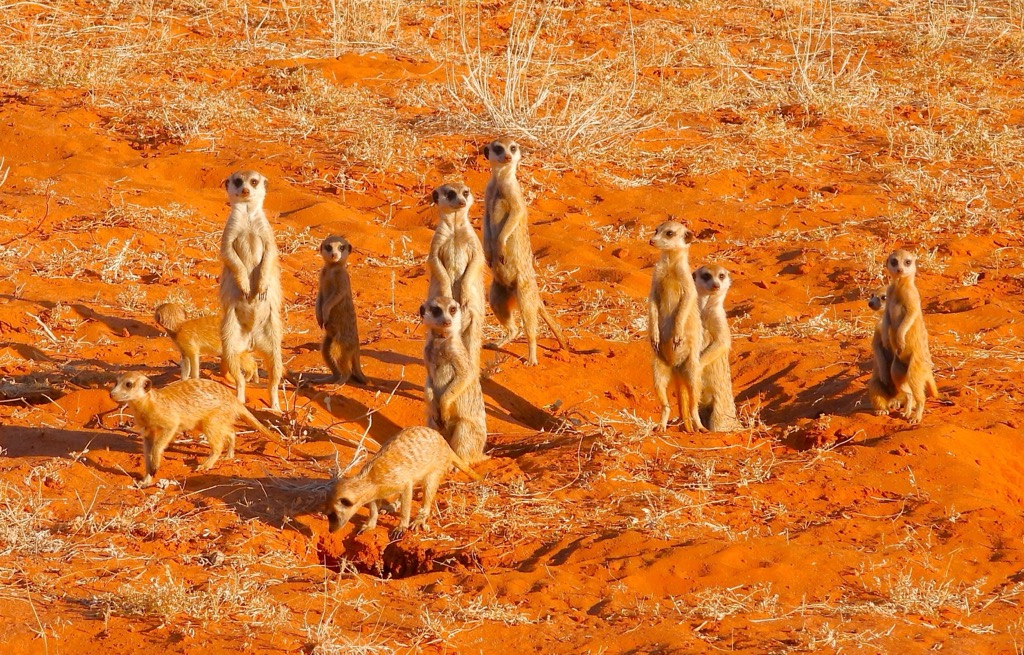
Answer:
(452, 394)
(250, 284)
(336, 313)
(507, 249)
(456, 262)
(903, 331)
(713, 283)
(161, 414)
(881, 393)
(675, 328)
(196, 337)
(415, 456)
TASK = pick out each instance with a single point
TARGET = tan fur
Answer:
(456, 262)
(161, 414)
(507, 249)
(196, 337)
(336, 313)
(713, 283)
(881, 393)
(452, 394)
(415, 456)
(250, 284)
(675, 328)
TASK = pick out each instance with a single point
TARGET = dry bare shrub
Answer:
(23, 527)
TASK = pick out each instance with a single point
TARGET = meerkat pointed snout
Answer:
(335, 249)
(449, 197)
(902, 263)
(503, 151)
(247, 186)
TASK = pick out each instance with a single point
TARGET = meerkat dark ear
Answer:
(487, 151)
(146, 384)
(423, 310)
(225, 183)
(694, 276)
(266, 184)
(434, 196)
(688, 237)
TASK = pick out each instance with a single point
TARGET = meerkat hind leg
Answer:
(662, 376)
(430, 486)
(502, 300)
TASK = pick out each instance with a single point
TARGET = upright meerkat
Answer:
(161, 414)
(713, 283)
(903, 331)
(415, 456)
(456, 262)
(676, 333)
(250, 284)
(508, 252)
(452, 394)
(196, 337)
(336, 313)
(881, 392)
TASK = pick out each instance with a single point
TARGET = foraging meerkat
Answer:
(713, 283)
(161, 414)
(507, 249)
(881, 393)
(336, 313)
(250, 284)
(904, 332)
(456, 262)
(415, 456)
(452, 394)
(676, 333)
(196, 337)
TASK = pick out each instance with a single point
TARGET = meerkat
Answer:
(196, 337)
(452, 394)
(250, 284)
(507, 250)
(161, 414)
(881, 393)
(676, 333)
(904, 332)
(336, 313)
(415, 456)
(456, 262)
(713, 283)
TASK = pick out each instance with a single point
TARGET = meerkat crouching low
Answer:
(717, 400)
(336, 313)
(196, 337)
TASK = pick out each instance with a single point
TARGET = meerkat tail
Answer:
(464, 467)
(553, 326)
(255, 423)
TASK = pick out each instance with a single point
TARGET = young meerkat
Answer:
(336, 313)
(196, 337)
(881, 393)
(452, 394)
(676, 333)
(713, 283)
(456, 262)
(417, 456)
(250, 284)
(161, 414)
(507, 249)
(903, 331)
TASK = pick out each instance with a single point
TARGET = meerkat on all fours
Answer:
(456, 262)
(196, 337)
(903, 331)
(676, 333)
(415, 456)
(250, 284)
(162, 414)
(507, 249)
(452, 394)
(713, 283)
(336, 313)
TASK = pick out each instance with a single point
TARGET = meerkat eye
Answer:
(513, 148)
(128, 385)
(907, 262)
(721, 276)
(894, 262)
(451, 195)
(238, 182)
(255, 182)
(436, 311)
(346, 502)
(498, 150)
(453, 309)
(706, 276)
(670, 233)
(465, 193)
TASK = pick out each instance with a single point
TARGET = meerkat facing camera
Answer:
(336, 313)
(196, 337)
(713, 283)
(881, 393)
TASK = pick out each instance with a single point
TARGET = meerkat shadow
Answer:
(349, 410)
(518, 409)
(23, 442)
(275, 501)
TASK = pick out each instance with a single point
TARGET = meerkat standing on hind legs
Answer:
(713, 283)
(198, 336)
(336, 313)
(250, 284)
(881, 393)
(506, 245)
(675, 327)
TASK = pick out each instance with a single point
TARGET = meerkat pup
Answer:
(713, 283)
(676, 333)
(161, 414)
(452, 394)
(508, 252)
(456, 262)
(336, 313)
(416, 456)
(903, 331)
(196, 337)
(250, 284)
(881, 393)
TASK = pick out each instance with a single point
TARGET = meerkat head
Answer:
(335, 249)
(170, 316)
(441, 315)
(130, 386)
(246, 186)
(345, 499)
(672, 235)
(901, 263)
(877, 299)
(713, 281)
(452, 197)
(503, 152)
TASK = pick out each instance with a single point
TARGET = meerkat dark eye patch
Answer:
(451, 195)
(707, 276)
(498, 150)
(346, 502)
(237, 182)
(436, 311)
(893, 262)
